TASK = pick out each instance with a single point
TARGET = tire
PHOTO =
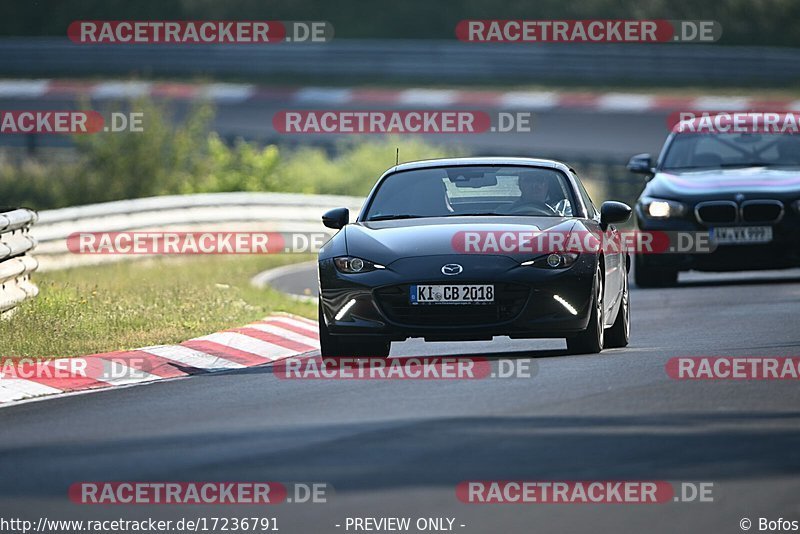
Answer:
(590, 341)
(332, 346)
(646, 276)
(619, 334)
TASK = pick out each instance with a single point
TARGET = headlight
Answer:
(351, 265)
(556, 260)
(796, 206)
(662, 209)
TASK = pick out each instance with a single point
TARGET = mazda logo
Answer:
(451, 269)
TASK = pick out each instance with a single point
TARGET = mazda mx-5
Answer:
(413, 265)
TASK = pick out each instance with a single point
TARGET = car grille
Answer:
(717, 212)
(509, 301)
(762, 211)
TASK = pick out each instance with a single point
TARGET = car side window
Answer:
(590, 209)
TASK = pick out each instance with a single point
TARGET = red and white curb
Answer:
(231, 93)
(262, 342)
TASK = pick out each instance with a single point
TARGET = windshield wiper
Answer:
(725, 166)
(748, 164)
(394, 217)
(689, 167)
(474, 214)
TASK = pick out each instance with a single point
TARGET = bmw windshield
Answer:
(706, 150)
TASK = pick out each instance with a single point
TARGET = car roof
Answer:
(454, 162)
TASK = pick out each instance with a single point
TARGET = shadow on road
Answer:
(429, 453)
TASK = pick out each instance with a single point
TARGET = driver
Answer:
(535, 189)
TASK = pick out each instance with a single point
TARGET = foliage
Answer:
(178, 156)
(744, 22)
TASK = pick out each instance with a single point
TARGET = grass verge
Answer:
(133, 304)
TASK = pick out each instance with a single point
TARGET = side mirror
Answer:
(613, 212)
(641, 164)
(336, 218)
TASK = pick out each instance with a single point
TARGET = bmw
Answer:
(742, 188)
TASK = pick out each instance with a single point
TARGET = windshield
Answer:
(697, 151)
(472, 190)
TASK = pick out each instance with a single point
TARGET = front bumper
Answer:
(783, 252)
(525, 306)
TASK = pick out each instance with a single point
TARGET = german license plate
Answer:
(741, 235)
(452, 294)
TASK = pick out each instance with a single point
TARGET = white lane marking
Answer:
(23, 88)
(238, 341)
(121, 89)
(529, 99)
(427, 97)
(294, 322)
(625, 102)
(288, 334)
(12, 389)
(191, 357)
(228, 92)
(720, 103)
(324, 95)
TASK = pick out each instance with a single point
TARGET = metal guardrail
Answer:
(161, 204)
(242, 211)
(277, 212)
(16, 263)
(418, 60)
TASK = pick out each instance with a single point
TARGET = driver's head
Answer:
(533, 186)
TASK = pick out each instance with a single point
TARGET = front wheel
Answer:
(619, 334)
(590, 341)
(331, 346)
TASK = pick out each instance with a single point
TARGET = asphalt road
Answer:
(582, 134)
(400, 447)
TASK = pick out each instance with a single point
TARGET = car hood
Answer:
(386, 241)
(725, 183)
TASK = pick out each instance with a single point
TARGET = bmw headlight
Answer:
(657, 208)
(351, 265)
(555, 260)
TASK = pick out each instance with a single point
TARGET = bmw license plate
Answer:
(452, 294)
(741, 235)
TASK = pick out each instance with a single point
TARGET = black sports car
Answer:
(405, 268)
(741, 188)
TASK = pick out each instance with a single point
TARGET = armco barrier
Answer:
(16, 263)
(418, 60)
(275, 212)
